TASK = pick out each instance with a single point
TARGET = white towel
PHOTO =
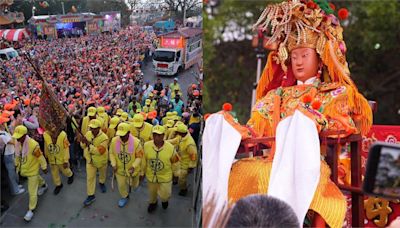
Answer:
(220, 144)
(296, 166)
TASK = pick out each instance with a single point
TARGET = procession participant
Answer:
(141, 130)
(175, 85)
(56, 150)
(95, 145)
(91, 114)
(113, 126)
(125, 156)
(159, 155)
(29, 159)
(101, 111)
(187, 151)
(8, 145)
(169, 128)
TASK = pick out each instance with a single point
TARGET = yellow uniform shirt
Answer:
(124, 156)
(174, 87)
(85, 125)
(97, 152)
(105, 121)
(147, 109)
(111, 133)
(28, 164)
(187, 151)
(56, 153)
(144, 134)
(159, 162)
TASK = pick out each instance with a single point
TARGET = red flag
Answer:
(52, 115)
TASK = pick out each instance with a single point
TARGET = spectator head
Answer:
(262, 211)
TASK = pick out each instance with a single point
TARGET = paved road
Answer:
(66, 209)
(185, 78)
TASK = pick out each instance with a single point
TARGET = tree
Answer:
(193, 7)
(371, 34)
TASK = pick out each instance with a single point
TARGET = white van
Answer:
(8, 53)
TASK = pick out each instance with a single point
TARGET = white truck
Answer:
(178, 51)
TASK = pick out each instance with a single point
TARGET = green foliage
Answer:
(324, 5)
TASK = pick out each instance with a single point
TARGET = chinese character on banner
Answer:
(171, 42)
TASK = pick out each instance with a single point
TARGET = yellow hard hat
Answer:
(175, 113)
(20, 131)
(94, 124)
(170, 123)
(138, 120)
(101, 110)
(148, 101)
(181, 128)
(123, 129)
(119, 112)
(124, 116)
(91, 111)
(169, 114)
(158, 129)
(114, 122)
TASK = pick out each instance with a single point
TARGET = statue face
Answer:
(304, 63)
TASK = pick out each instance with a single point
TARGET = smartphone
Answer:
(382, 177)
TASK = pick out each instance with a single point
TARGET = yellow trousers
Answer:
(33, 184)
(142, 167)
(91, 177)
(55, 173)
(175, 169)
(162, 189)
(183, 179)
(123, 183)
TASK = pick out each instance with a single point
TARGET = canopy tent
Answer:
(14, 34)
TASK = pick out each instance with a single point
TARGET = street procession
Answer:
(88, 108)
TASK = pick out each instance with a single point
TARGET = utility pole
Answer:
(62, 4)
(184, 13)
(260, 54)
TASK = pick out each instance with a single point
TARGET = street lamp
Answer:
(258, 44)
(33, 11)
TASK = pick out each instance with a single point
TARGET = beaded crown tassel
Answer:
(294, 24)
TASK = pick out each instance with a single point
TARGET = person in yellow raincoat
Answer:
(125, 156)
(124, 116)
(167, 117)
(95, 145)
(112, 128)
(142, 131)
(149, 106)
(101, 112)
(56, 150)
(28, 160)
(169, 125)
(159, 156)
(91, 114)
(187, 150)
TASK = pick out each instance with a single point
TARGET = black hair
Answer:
(262, 211)
(16, 113)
